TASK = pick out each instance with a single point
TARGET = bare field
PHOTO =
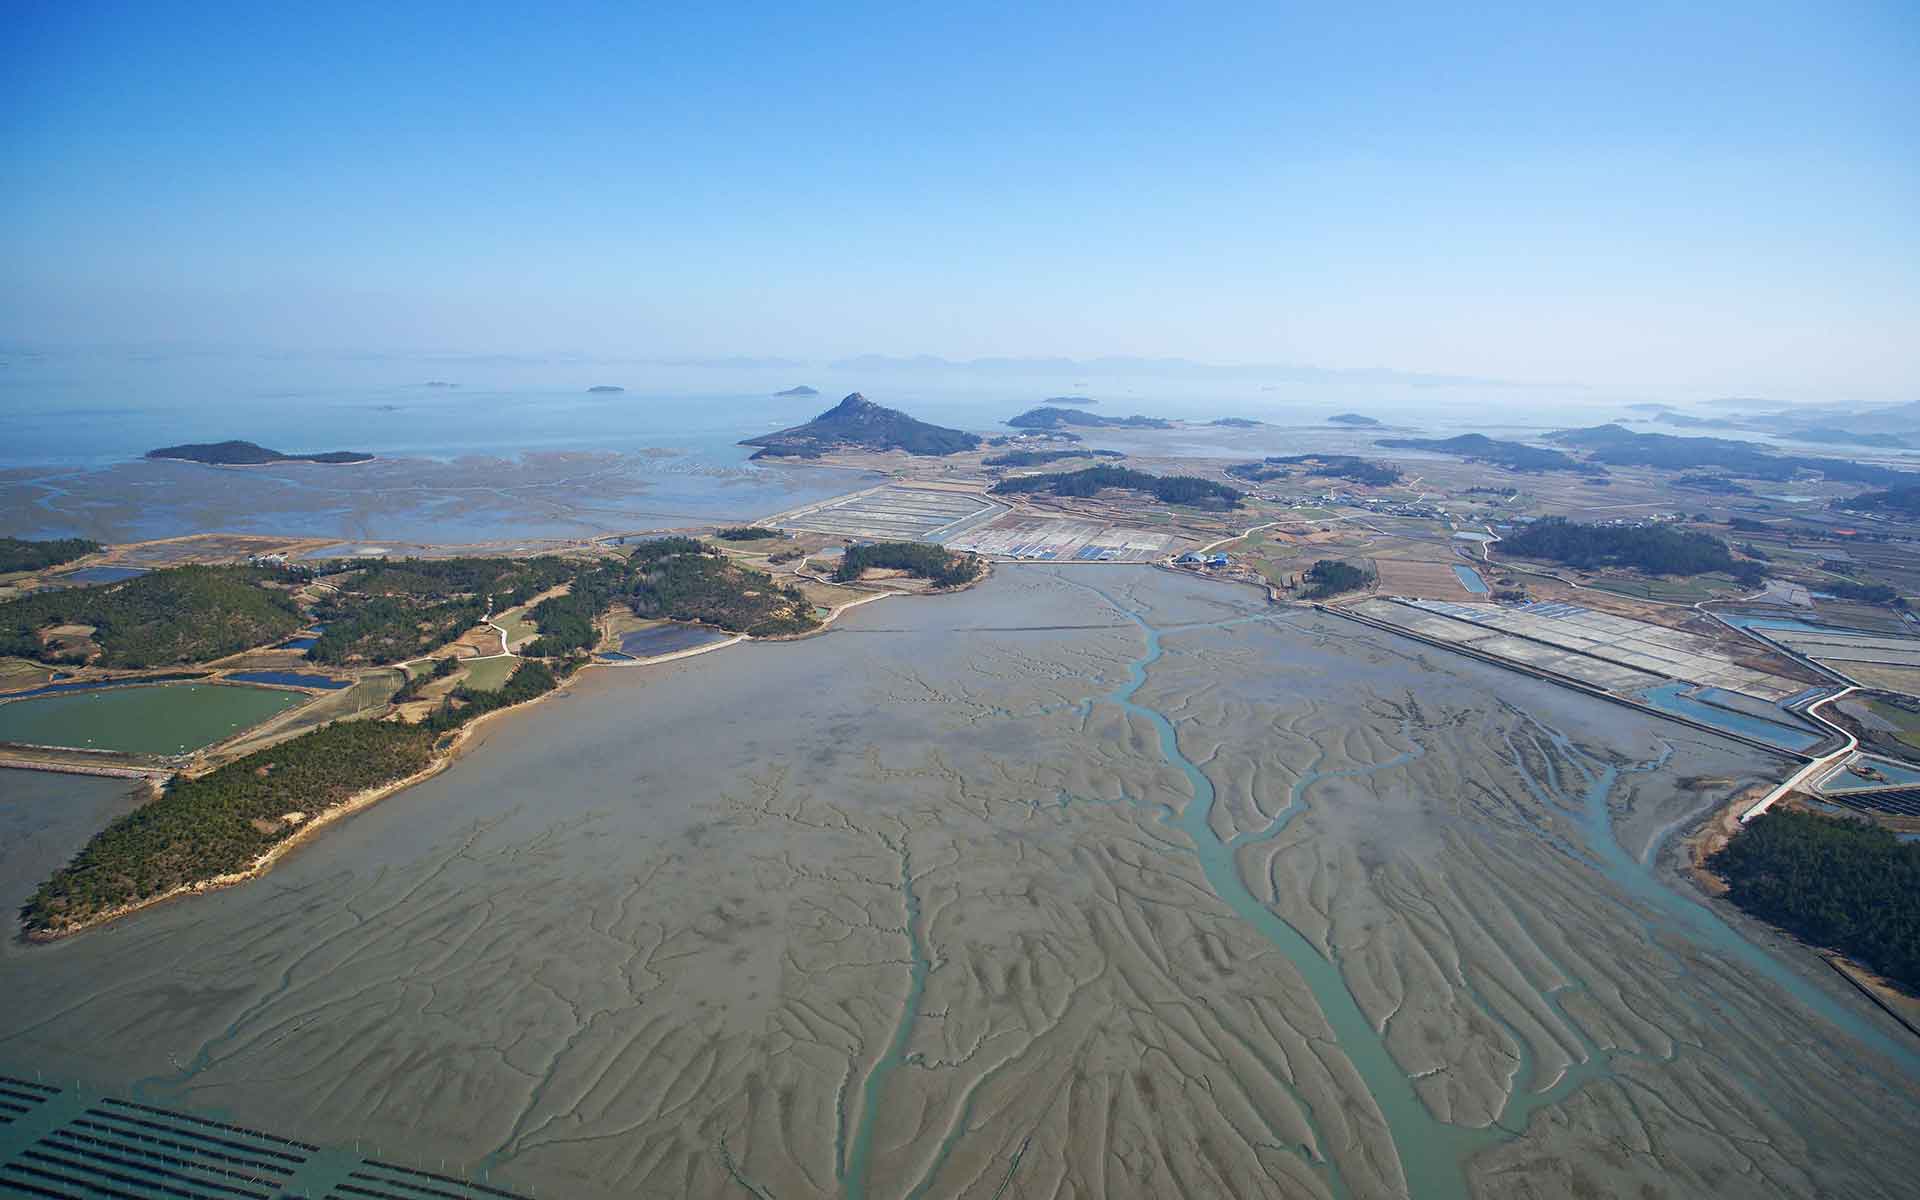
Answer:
(1425, 580)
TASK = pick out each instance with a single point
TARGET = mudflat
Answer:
(1084, 881)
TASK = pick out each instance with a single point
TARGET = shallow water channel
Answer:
(963, 898)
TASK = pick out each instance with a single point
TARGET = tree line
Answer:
(1168, 489)
(1655, 549)
(940, 566)
(184, 614)
(1835, 882)
(223, 821)
(18, 554)
(1329, 577)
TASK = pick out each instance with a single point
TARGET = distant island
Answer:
(1842, 437)
(858, 423)
(605, 388)
(247, 454)
(801, 390)
(1069, 400)
(1237, 423)
(1686, 422)
(1350, 418)
(1615, 446)
(1478, 447)
(439, 383)
(1052, 418)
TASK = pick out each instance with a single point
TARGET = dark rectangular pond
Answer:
(291, 679)
(101, 575)
(668, 639)
(92, 685)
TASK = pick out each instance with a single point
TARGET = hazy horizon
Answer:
(1641, 200)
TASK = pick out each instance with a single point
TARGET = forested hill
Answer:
(1835, 882)
(182, 615)
(1655, 549)
(859, 423)
(1168, 489)
(1905, 501)
(943, 567)
(1330, 466)
(1478, 447)
(19, 555)
(247, 454)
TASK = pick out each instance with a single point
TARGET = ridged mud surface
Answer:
(1089, 882)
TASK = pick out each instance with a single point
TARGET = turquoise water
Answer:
(1671, 697)
(1744, 622)
(1470, 579)
(1433, 1153)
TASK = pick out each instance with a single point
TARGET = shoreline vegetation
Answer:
(231, 824)
(19, 554)
(442, 755)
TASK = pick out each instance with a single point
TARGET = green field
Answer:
(517, 626)
(487, 674)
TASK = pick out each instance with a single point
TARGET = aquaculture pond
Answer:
(1470, 579)
(168, 718)
(668, 639)
(102, 575)
(92, 685)
(291, 679)
(1672, 697)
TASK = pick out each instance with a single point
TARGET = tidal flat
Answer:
(467, 500)
(1086, 881)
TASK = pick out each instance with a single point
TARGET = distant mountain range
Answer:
(247, 454)
(1069, 400)
(857, 422)
(1046, 417)
(1351, 419)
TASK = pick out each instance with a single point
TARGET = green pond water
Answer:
(168, 718)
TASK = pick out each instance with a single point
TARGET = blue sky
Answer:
(1664, 196)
